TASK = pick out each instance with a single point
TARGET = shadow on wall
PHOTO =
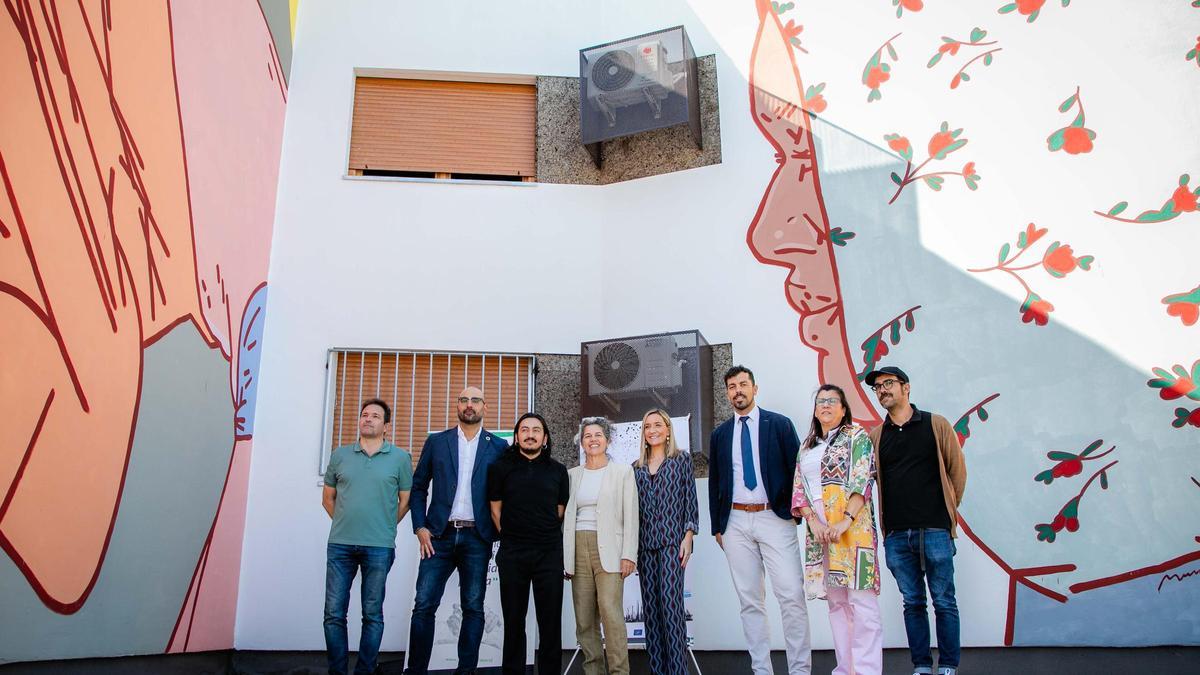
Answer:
(1020, 389)
(1074, 498)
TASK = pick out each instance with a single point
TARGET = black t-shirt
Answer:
(910, 483)
(531, 491)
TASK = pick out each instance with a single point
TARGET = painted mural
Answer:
(139, 157)
(1084, 477)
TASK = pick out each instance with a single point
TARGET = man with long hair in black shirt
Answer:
(528, 490)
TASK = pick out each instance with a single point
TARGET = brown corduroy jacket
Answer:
(951, 465)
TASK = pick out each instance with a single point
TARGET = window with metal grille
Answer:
(421, 386)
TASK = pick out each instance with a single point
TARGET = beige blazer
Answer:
(616, 518)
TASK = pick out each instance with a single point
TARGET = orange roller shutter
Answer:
(444, 127)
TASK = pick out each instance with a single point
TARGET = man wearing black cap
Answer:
(921, 478)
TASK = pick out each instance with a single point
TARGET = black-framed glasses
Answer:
(833, 400)
(883, 386)
(463, 400)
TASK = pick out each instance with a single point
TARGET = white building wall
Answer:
(541, 267)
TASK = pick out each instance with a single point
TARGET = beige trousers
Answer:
(599, 599)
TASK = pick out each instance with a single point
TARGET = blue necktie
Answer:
(747, 456)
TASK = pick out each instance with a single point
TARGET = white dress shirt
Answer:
(463, 508)
(742, 494)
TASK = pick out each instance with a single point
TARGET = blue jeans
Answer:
(342, 563)
(915, 557)
(457, 549)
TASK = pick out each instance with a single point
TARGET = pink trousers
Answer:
(857, 631)
(856, 623)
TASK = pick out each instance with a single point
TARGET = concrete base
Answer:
(976, 661)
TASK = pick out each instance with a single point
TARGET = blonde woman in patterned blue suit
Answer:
(669, 515)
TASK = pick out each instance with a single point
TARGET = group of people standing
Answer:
(599, 522)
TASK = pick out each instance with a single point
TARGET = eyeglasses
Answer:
(474, 399)
(883, 386)
(829, 401)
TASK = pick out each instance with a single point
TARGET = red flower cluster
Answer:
(1060, 261)
(939, 142)
(1183, 199)
(1067, 468)
(1188, 312)
(1027, 7)
(1037, 312)
(1180, 388)
(876, 76)
(1060, 521)
(1076, 140)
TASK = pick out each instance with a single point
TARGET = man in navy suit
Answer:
(752, 461)
(454, 529)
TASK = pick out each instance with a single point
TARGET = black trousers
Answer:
(521, 566)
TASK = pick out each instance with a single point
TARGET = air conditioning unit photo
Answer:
(632, 367)
(629, 75)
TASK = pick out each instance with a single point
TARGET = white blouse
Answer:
(585, 501)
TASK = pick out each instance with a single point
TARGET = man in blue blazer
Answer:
(752, 461)
(454, 529)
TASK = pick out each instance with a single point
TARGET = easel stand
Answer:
(690, 642)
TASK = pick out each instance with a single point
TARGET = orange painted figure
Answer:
(791, 229)
(111, 236)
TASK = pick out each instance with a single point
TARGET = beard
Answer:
(469, 417)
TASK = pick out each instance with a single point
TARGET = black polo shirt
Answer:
(531, 491)
(910, 483)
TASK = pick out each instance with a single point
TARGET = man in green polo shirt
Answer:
(366, 494)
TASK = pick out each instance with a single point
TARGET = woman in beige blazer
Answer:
(600, 543)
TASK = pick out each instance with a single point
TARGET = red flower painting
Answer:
(1058, 260)
(1030, 9)
(1075, 139)
(1182, 200)
(1186, 306)
(942, 143)
(877, 71)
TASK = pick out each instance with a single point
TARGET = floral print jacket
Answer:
(847, 468)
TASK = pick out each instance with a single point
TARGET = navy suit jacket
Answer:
(776, 457)
(439, 463)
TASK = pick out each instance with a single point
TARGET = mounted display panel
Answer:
(637, 84)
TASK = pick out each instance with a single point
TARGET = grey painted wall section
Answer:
(556, 392)
(177, 465)
(279, 22)
(561, 157)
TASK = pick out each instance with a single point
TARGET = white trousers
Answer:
(754, 542)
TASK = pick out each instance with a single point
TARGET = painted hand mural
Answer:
(1074, 541)
(134, 222)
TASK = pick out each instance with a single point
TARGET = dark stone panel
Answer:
(562, 158)
(556, 397)
(722, 360)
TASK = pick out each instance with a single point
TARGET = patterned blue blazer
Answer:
(667, 502)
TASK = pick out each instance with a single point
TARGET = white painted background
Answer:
(538, 268)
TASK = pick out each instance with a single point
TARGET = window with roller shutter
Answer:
(443, 129)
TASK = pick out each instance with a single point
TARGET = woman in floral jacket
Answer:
(835, 476)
